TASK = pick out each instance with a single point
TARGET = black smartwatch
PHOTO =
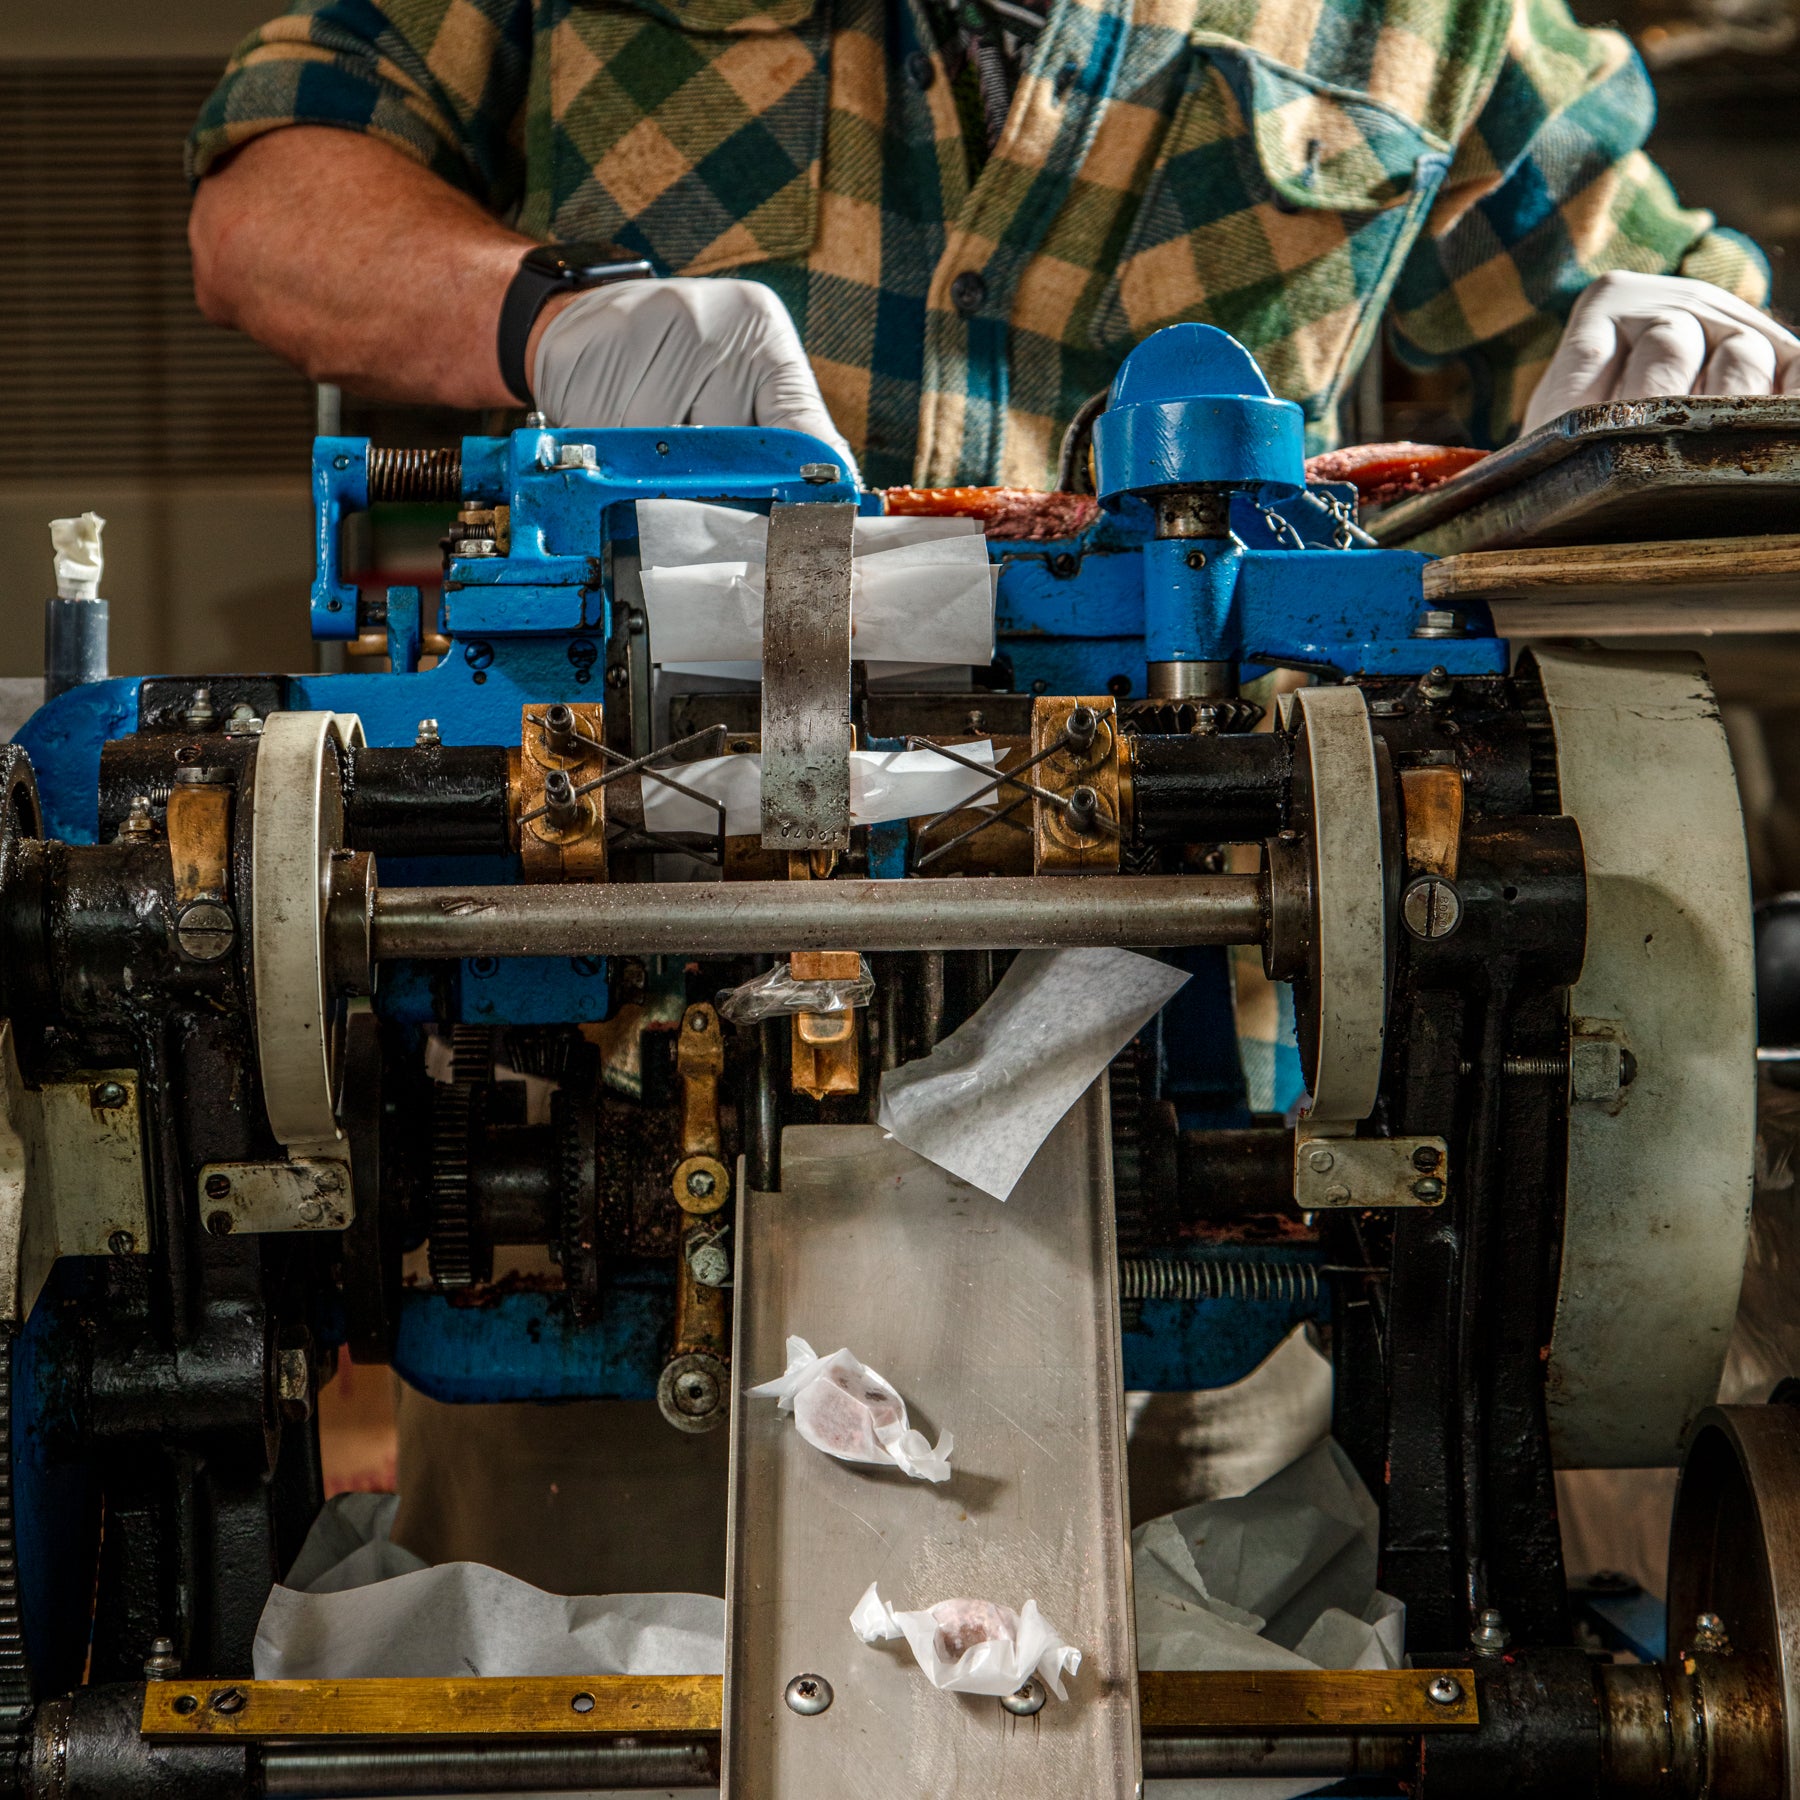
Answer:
(549, 269)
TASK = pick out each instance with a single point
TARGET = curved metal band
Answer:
(298, 820)
(1351, 890)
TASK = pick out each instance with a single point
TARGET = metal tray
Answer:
(1637, 471)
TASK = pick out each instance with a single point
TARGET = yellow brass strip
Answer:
(572, 1706)
(1338, 1700)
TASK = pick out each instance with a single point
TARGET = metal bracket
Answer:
(1335, 1172)
(561, 812)
(806, 677)
(309, 1195)
(1075, 826)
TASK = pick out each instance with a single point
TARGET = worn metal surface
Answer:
(998, 1322)
(1658, 1207)
(1350, 890)
(806, 677)
(1335, 1171)
(71, 1175)
(310, 1194)
(495, 1706)
(597, 1771)
(297, 821)
(734, 917)
(1692, 467)
(1347, 1700)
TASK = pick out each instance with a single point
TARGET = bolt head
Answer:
(311, 1211)
(1025, 1701)
(219, 1224)
(1431, 907)
(1445, 1690)
(217, 1186)
(700, 1183)
(230, 1700)
(709, 1265)
(1337, 1195)
(1427, 1156)
(820, 474)
(121, 1243)
(1429, 1189)
(109, 1094)
(808, 1695)
(1320, 1160)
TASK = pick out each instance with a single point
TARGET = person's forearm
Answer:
(358, 266)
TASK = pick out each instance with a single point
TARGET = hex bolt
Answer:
(820, 474)
(1440, 622)
(808, 1695)
(1429, 1189)
(110, 1094)
(1025, 1701)
(709, 1264)
(427, 736)
(1431, 907)
(1082, 809)
(162, 1664)
(1490, 1634)
(1320, 1160)
(560, 738)
(121, 1243)
(1080, 726)
(1445, 1690)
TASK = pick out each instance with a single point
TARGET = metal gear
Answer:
(456, 1258)
(15, 1669)
(1186, 718)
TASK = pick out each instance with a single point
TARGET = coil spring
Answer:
(415, 474)
(1173, 1278)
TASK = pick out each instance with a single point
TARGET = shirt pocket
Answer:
(689, 131)
(1279, 207)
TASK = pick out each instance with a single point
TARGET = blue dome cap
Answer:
(1189, 405)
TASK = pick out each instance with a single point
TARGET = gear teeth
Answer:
(451, 1251)
(1184, 718)
(15, 1670)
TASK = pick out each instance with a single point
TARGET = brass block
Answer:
(1059, 845)
(575, 852)
(1432, 801)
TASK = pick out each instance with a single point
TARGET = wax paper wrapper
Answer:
(75, 545)
(973, 1646)
(843, 1407)
(985, 1098)
(776, 992)
(884, 785)
(922, 589)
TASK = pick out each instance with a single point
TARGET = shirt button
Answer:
(921, 69)
(967, 292)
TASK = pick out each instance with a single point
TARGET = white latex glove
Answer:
(1633, 337)
(679, 352)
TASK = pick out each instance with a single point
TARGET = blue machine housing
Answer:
(1293, 587)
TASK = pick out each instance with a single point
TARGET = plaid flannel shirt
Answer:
(1292, 170)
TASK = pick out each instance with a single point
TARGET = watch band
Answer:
(548, 269)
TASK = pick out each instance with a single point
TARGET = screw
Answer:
(243, 722)
(426, 737)
(1080, 726)
(1431, 907)
(562, 806)
(162, 1664)
(217, 1186)
(1426, 1157)
(1196, 560)
(205, 931)
(1490, 1633)
(109, 1094)
(1710, 1634)
(1320, 1161)
(185, 1704)
(230, 1700)
(618, 676)
(1082, 809)
(1429, 1189)
(219, 1224)
(1025, 1701)
(121, 1243)
(708, 1264)
(478, 655)
(1337, 1195)
(311, 1211)
(700, 1183)
(1445, 1690)
(808, 1695)
(1439, 622)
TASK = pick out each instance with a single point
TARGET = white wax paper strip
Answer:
(925, 600)
(884, 785)
(989, 1094)
(349, 1614)
(973, 1646)
(705, 613)
(79, 560)
(852, 1412)
(895, 533)
(737, 780)
(675, 533)
(910, 784)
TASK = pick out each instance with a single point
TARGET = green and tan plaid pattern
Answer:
(1292, 170)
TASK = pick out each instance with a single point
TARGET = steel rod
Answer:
(1329, 1758)
(372, 1771)
(743, 917)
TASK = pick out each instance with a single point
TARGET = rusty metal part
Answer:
(826, 1056)
(322, 1771)
(700, 1183)
(743, 917)
(1698, 1724)
(561, 818)
(1431, 801)
(694, 1389)
(573, 1706)
(806, 677)
(1076, 820)
(1347, 1700)
(199, 828)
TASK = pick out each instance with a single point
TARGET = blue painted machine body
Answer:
(1294, 586)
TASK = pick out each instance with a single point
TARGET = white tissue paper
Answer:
(884, 785)
(358, 1605)
(973, 1646)
(846, 1409)
(80, 561)
(922, 589)
(983, 1101)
